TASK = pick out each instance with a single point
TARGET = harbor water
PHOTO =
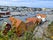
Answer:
(23, 18)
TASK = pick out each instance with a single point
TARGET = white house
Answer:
(42, 17)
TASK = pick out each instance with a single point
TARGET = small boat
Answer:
(1, 19)
(5, 16)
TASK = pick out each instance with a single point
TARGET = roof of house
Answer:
(42, 15)
(18, 21)
(32, 19)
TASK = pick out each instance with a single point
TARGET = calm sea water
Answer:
(23, 18)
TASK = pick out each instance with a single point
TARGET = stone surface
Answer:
(42, 29)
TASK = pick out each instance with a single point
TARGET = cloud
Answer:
(31, 3)
(5, 3)
(15, 0)
(45, 0)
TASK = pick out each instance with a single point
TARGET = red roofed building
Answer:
(42, 17)
(19, 25)
(32, 22)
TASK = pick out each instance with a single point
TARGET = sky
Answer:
(28, 3)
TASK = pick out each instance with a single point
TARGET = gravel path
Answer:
(40, 29)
